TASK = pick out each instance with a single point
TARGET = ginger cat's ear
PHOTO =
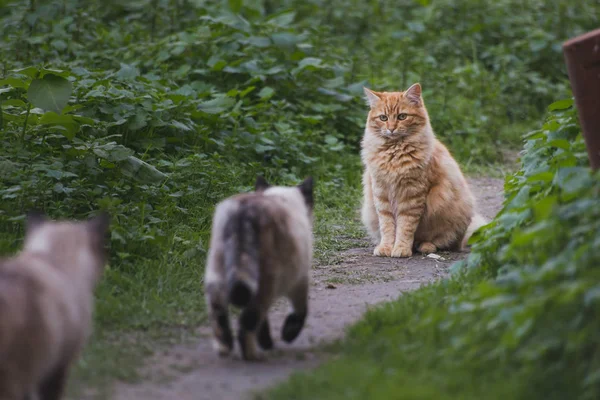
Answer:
(372, 97)
(413, 94)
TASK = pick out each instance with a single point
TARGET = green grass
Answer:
(387, 356)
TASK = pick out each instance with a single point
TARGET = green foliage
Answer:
(154, 110)
(519, 318)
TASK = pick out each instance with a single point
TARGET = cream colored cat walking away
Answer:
(46, 300)
(260, 250)
(415, 196)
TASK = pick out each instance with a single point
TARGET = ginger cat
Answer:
(415, 196)
(46, 302)
(260, 250)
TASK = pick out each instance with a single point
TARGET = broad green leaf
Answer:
(258, 41)
(113, 152)
(14, 82)
(285, 39)
(127, 72)
(14, 103)
(51, 93)
(572, 179)
(266, 93)
(68, 122)
(561, 105)
(282, 20)
(28, 71)
(217, 105)
(140, 170)
(560, 143)
(235, 5)
(181, 126)
(310, 62)
(543, 208)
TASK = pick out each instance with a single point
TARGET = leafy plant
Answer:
(157, 109)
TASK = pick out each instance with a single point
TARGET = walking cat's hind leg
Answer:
(250, 321)
(219, 320)
(295, 320)
(53, 385)
(265, 341)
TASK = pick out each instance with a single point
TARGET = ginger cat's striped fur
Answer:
(415, 196)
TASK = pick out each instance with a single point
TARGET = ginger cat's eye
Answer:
(402, 116)
(383, 117)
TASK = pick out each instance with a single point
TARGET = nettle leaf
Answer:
(67, 122)
(285, 39)
(14, 103)
(140, 170)
(127, 72)
(216, 105)
(282, 20)
(310, 63)
(14, 82)
(543, 208)
(266, 93)
(50, 93)
(113, 152)
(561, 105)
(573, 179)
(258, 41)
(236, 5)
(28, 71)
(180, 126)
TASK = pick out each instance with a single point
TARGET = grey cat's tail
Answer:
(242, 255)
(476, 222)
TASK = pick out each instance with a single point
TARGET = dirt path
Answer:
(340, 295)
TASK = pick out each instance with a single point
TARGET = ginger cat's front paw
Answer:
(383, 250)
(401, 251)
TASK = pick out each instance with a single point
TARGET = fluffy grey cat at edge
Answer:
(260, 250)
(46, 301)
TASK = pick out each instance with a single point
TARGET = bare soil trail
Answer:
(340, 294)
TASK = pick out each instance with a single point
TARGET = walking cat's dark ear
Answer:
(261, 184)
(98, 228)
(99, 224)
(35, 218)
(306, 188)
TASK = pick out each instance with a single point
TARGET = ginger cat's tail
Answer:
(476, 222)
